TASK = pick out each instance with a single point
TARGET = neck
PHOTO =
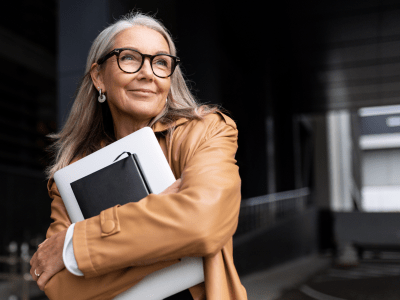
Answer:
(126, 126)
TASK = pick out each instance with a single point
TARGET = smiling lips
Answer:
(144, 91)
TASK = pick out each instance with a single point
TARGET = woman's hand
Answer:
(173, 188)
(47, 260)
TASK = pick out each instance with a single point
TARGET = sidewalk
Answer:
(271, 284)
(315, 278)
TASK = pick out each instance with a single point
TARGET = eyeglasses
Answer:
(131, 61)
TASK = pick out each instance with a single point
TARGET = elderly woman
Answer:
(133, 80)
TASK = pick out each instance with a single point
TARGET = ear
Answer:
(97, 77)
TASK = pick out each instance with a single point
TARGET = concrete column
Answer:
(340, 160)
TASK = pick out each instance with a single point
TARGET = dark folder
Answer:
(119, 183)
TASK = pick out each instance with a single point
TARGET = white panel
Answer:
(380, 141)
(379, 110)
(381, 198)
(375, 168)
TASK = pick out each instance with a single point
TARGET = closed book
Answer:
(119, 183)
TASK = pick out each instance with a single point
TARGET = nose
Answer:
(146, 71)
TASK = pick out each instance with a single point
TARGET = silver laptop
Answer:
(165, 282)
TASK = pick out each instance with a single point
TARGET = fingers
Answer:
(33, 259)
(34, 271)
(47, 260)
(34, 265)
(43, 279)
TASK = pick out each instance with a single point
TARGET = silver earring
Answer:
(102, 97)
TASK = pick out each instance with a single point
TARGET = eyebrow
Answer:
(158, 52)
(162, 52)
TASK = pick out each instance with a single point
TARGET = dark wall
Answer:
(28, 112)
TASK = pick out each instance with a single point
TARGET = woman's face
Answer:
(141, 95)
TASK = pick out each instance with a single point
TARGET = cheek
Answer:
(114, 80)
(166, 87)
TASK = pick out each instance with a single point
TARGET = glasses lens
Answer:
(130, 61)
(163, 65)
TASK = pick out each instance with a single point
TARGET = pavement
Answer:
(271, 284)
(321, 278)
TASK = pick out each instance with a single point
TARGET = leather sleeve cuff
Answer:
(81, 248)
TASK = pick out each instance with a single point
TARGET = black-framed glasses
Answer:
(131, 61)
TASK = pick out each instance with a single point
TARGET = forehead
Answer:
(141, 38)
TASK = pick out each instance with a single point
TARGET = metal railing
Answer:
(264, 211)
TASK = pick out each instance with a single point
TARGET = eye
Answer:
(127, 57)
(162, 61)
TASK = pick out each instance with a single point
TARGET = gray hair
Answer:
(89, 125)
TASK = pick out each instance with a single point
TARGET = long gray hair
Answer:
(90, 126)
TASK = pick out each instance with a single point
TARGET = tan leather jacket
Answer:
(116, 249)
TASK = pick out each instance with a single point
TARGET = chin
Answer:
(145, 112)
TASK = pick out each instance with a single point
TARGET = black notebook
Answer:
(119, 183)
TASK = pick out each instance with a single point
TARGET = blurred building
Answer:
(380, 145)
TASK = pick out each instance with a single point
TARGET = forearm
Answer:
(159, 240)
(66, 286)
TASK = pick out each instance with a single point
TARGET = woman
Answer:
(133, 80)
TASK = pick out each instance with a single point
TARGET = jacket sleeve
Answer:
(66, 286)
(197, 221)
(59, 213)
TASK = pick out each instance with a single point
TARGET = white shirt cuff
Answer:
(68, 253)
